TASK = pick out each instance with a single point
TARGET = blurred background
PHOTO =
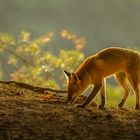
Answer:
(102, 23)
(41, 38)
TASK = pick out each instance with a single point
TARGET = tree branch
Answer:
(18, 56)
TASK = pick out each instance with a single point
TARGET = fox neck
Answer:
(85, 80)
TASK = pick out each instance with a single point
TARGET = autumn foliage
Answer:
(32, 60)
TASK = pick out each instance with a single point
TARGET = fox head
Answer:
(74, 87)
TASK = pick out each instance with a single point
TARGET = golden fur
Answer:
(123, 63)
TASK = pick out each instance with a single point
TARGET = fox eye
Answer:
(74, 82)
(75, 86)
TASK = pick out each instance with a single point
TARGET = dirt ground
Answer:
(27, 115)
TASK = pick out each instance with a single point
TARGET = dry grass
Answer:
(27, 115)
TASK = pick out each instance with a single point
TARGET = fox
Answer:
(122, 63)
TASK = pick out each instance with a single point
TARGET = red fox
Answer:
(123, 63)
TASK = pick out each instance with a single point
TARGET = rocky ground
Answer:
(28, 115)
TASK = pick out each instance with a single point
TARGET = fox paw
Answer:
(80, 106)
(137, 108)
(101, 107)
(120, 105)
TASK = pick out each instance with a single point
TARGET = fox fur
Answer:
(123, 63)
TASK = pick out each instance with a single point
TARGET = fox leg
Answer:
(93, 93)
(133, 79)
(122, 80)
(103, 94)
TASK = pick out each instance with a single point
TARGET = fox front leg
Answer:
(91, 96)
(103, 95)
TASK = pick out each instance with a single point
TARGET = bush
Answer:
(31, 60)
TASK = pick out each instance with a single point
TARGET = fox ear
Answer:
(75, 77)
(67, 74)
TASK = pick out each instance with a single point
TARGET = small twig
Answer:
(34, 88)
(6, 71)
(18, 56)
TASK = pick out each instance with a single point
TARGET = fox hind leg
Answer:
(122, 80)
(133, 79)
